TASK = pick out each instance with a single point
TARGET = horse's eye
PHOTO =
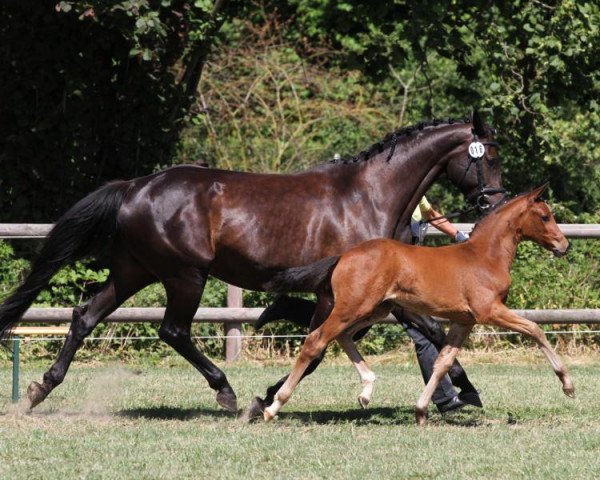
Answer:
(545, 218)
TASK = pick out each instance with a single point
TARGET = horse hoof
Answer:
(254, 410)
(569, 392)
(421, 417)
(268, 416)
(37, 393)
(227, 399)
(363, 401)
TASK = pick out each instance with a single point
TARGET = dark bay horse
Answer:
(185, 223)
(466, 283)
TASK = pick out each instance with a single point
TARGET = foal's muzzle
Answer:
(558, 253)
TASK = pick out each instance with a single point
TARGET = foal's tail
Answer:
(87, 229)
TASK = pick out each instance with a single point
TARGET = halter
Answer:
(477, 152)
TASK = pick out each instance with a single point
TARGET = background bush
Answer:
(100, 90)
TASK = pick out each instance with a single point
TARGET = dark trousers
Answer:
(427, 353)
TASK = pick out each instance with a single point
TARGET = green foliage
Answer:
(533, 65)
(71, 286)
(263, 107)
(541, 281)
(11, 268)
(98, 90)
(93, 91)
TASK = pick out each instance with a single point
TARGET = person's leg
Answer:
(444, 395)
(435, 335)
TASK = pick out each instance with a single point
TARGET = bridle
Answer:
(477, 153)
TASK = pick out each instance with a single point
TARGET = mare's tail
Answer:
(87, 229)
(307, 278)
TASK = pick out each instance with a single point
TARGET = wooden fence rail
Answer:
(40, 230)
(234, 316)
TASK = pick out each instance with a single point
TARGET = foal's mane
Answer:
(497, 210)
(392, 139)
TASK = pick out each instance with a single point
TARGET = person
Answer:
(446, 398)
(419, 227)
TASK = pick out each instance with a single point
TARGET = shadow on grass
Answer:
(382, 416)
(173, 413)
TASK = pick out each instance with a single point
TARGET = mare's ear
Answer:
(478, 127)
(536, 193)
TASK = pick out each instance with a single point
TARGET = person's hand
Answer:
(461, 236)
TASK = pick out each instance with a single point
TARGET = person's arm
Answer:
(445, 226)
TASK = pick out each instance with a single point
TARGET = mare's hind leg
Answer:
(183, 297)
(126, 278)
(505, 318)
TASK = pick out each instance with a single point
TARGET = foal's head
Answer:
(537, 224)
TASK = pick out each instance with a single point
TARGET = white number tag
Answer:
(476, 149)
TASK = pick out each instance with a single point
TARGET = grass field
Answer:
(115, 421)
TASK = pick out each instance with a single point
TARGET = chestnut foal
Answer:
(466, 283)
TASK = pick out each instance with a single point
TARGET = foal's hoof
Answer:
(37, 393)
(421, 417)
(227, 399)
(569, 392)
(363, 401)
(254, 410)
(267, 415)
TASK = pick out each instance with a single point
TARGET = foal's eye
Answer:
(545, 218)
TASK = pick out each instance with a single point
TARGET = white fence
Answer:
(233, 316)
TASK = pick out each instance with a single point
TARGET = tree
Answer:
(534, 65)
(94, 91)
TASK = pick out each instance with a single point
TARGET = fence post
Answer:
(233, 346)
(15, 369)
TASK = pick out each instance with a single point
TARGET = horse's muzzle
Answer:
(559, 253)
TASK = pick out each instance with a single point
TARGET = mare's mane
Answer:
(392, 139)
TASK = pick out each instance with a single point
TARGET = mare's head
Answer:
(537, 224)
(474, 167)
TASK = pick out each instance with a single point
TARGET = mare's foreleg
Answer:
(367, 377)
(183, 297)
(454, 340)
(505, 318)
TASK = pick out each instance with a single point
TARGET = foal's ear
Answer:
(478, 126)
(536, 193)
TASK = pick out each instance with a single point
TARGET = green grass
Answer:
(114, 421)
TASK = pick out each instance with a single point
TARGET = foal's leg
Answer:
(367, 377)
(126, 278)
(257, 406)
(183, 297)
(455, 338)
(314, 346)
(505, 318)
(432, 330)
(301, 312)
